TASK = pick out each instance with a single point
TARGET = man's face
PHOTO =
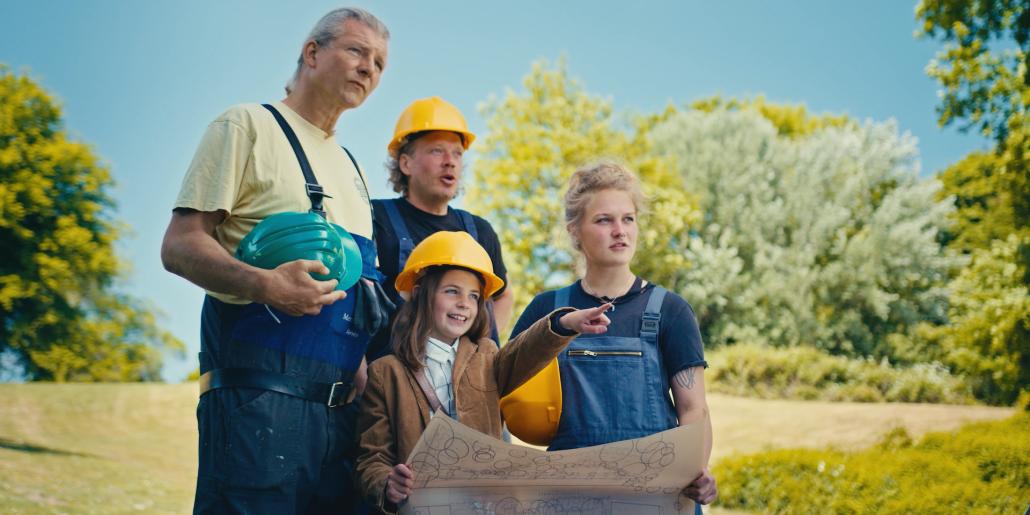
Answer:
(348, 68)
(434, 166)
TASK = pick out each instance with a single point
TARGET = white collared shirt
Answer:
(440, 371)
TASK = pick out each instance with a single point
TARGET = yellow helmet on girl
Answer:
(429, 114)
(449, 248)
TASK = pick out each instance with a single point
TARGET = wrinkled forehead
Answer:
(359, 32)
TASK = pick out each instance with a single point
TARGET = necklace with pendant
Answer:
(604, 298)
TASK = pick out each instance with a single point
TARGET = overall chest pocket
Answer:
(608, 377)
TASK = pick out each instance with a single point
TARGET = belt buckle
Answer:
(333, 401)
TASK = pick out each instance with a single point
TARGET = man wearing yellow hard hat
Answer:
(425, 167)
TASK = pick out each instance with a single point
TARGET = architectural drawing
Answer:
(461, 471)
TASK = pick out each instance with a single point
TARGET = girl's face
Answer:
(455, 305)
(607, 232)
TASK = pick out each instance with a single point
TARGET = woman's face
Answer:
(455, 305)
(607, 231)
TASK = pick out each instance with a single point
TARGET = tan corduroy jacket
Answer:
(394, 411)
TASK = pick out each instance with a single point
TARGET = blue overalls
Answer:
(277, 430)
(263, 451)
(615, 387)
(406, 244)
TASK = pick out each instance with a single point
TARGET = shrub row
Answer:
(807, 373)
(982, 468)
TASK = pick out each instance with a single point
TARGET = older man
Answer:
(426, 164)
(279, 356)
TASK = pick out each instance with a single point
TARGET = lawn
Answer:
(121, 448)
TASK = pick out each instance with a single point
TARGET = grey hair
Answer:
(603, 175)
(330, 27)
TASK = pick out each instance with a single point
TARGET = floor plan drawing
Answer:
(461, 471)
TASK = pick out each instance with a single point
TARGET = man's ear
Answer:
(308, 53)
(402, 163)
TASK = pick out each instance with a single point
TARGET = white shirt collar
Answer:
(440, 351)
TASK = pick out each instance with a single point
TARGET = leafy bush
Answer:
(982, 468)
(756, 370)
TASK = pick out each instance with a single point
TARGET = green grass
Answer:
(97, 448)
(131, 448)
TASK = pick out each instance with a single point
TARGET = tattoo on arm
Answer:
(685, 378)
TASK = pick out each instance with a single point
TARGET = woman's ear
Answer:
(573, 231)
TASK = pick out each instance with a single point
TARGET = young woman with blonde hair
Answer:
(653, 340)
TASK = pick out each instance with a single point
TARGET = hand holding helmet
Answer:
(290, 244)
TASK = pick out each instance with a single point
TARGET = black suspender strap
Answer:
(468, 223)
(404, 242)
(314, 190)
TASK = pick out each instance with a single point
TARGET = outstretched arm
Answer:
(529, 352)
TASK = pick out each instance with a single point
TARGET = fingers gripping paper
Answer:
(459, 470)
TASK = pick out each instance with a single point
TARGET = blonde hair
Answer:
(600, 176)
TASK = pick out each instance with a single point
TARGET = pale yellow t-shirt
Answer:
(245, 166)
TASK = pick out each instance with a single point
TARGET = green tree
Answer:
(984, 71)
(60, 314)
(813, 232)
(985, 81)
(988, 337)
(535, 140)
(790, 120)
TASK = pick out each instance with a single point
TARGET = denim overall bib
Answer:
(615, 387)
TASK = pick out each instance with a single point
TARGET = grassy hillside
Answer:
(97, 448)
(131, 448)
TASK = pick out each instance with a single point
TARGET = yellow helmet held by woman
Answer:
(532, 411)
(429, 114)
(449, 248)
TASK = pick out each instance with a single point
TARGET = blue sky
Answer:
(141, 80)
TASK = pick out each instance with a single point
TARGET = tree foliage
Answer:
(827, 239)
(986, 83)
(792, 121)
(60, 314)
(984, 70)
(535, 140)
(988, 337)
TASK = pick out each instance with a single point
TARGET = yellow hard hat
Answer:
(532, 410)
(429, 114)
(454, 248)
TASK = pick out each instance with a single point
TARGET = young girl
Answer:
(442, 357)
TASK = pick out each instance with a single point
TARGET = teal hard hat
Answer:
(286, 237)
(351, 258)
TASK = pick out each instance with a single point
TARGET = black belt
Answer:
(330, 394)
